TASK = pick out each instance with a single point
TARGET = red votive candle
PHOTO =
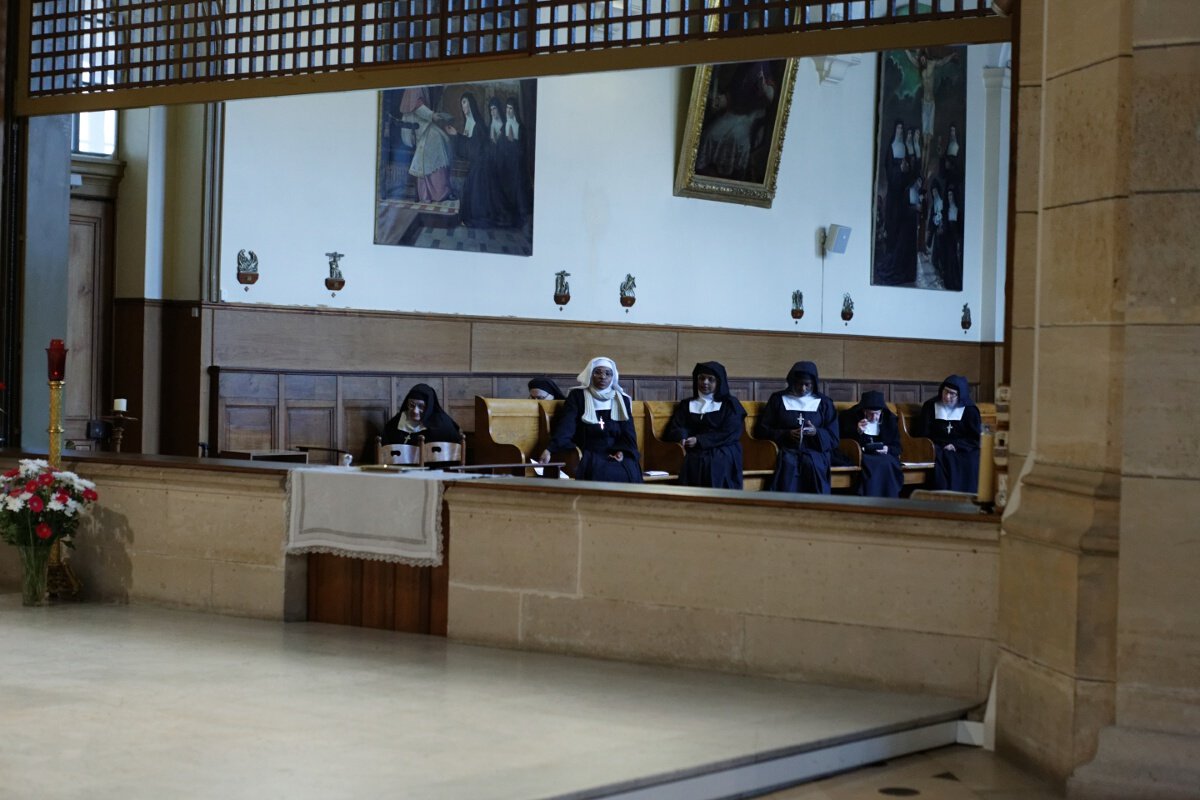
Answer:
(56, 359)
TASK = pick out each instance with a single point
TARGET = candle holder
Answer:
(61, 581)
(118, 420)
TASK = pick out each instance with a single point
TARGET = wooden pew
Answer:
(924, 448)
(656, 454)
(510, 431)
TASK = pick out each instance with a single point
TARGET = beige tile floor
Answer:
(127, 702)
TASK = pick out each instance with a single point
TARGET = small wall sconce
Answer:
(247, 268)
(847, 308)
(966, 318)
(628, 298)
(562, 289)
(336, 280)
(797, 305)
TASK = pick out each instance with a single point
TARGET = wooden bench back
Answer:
(509, 431)
(512, 430)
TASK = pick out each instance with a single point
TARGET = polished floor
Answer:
(132, 702)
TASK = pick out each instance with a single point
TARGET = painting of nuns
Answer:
(455, 167)
(920, 145)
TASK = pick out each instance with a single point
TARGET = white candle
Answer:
(120, 404)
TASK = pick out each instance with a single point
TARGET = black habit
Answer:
(598, 440)
(882, 475)
(715, 460)
(803, 464)
(956, 469)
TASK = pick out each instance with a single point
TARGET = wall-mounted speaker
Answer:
(837, 238)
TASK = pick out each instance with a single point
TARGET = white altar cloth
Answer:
(380, 516)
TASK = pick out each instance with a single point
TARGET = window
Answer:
(94, 133)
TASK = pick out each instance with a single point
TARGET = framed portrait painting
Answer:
(920, 183)
(734, 133)
(454, 167)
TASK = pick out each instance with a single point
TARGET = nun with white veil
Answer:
(597, 417)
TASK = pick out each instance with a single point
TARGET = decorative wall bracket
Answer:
(336, 280)
(247, 268)
(628, 298)
(562, 289)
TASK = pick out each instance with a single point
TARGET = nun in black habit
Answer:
(709, 426)
(597, 417)
(877, 431)
(952, 421)
(544, 389)
(420, 415)
(803, 423)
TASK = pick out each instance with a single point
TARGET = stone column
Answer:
(1057, 667)
(1153, 749)
(1098, 681)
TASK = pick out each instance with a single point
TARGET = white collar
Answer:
(809, 402)
(942, 411)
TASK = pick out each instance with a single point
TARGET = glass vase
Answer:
(34, 567)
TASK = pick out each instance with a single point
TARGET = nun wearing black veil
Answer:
(803, 423)
(544, 389)
(597, 417)
(420, 415)
(877, 431)
(709, 426)
(952, 421)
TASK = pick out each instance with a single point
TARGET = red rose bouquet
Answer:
(39, 506)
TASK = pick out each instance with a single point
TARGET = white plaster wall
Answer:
(299, 181)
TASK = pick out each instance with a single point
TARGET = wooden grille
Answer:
(87, 46)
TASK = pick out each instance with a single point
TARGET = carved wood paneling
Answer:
(309, 424)
(248, 427)
(362, 421)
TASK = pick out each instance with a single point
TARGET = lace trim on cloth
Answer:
(390, 517)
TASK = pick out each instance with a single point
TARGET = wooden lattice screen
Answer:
(88, 46)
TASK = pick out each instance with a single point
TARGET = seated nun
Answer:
(709, 426)
(803, 423)
(952, 421)
(597, 417)
(420, 415)
(544, 389)
(877, 431)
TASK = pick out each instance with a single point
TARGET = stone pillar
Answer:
(1153, 749)
(1056, 673)
(1098, 681)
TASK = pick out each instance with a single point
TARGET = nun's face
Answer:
(949, 396)
(601, 377)
(706, 383)
(872, 414)
(803, 385)
(415, 410)
(539, 394)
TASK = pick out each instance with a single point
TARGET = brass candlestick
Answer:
(61, 581)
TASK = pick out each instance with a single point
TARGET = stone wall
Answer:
(799, 589)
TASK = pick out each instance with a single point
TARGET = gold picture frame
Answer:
(736, 123)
